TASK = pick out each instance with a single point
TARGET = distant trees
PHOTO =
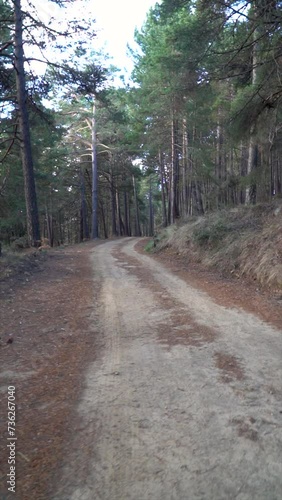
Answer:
(21, 91)
(209, 78)
(102, 150)
(33, 229)
(200, 130)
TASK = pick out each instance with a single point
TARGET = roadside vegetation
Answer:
(240, 242)
(20, 262)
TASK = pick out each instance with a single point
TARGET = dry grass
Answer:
(20, 264)
(245, 241)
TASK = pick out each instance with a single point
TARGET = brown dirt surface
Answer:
(45, 330)
(229, 292)
(229, 366)
(181, 329)
(139, 376)
(185, 401)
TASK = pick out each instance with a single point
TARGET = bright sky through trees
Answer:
(116, 21)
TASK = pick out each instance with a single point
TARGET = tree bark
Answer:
(119, 218)
(84, 223)
(219, 160)
(94, 233)
(251, 166)
(104, 221)
(49, 227)
(125, 204)
(174, 181)
(137, 219)
(151, 210)
(113, 205)
(250, 196)
(185, 206)
(33, 228)
(163, 190)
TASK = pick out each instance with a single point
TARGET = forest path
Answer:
(184, 400)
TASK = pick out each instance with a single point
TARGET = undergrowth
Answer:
(14, 263)
(244, 241)
(150, 246)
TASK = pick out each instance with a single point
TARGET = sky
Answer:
(116, 21)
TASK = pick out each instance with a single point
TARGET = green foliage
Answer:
(19, 244)
(246, 109)
(203, 72)
(149, 247)
(211, 233)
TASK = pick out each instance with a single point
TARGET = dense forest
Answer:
(199, 129)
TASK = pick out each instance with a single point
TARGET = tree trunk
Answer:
(174, 181)
(129, 217)
(250, 196)
(104, 220)
(163, 190)
(49, 227)
(84, 223)
(95, 233)
(137, 219)
(33, 228)
(113, 206)
(119, 218)
(185, 206)
(151, 210)
(251, 166)
(125, 204)
(219, 160)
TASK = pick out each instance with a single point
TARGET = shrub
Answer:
(20, 243)
(211, 234)
(150, 246)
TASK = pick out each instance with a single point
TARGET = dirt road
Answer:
(185, 400)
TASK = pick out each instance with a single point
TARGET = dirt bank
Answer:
(243, 243)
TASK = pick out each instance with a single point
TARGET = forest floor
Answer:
(139, 377)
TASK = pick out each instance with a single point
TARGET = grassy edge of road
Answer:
(245, 242)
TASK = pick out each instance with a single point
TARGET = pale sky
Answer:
(116, 21)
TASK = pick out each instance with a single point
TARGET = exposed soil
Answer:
(230, 367)
(140, 378)
(45, 312)
(229, 292)
(181, 329)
